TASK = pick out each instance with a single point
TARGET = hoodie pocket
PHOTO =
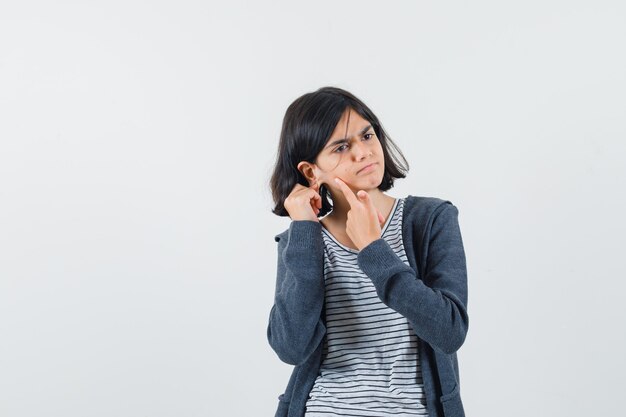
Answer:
(451, 403)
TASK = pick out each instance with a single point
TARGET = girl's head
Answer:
(330, 133)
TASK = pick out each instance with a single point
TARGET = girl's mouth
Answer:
(366, 168)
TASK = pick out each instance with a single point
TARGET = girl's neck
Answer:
(339, 215)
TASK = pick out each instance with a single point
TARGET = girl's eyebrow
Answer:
(338, 141)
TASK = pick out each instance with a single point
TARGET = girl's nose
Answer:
(361, 150)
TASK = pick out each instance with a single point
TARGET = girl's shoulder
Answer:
(423, 207)
(303, 230)
(413, 202)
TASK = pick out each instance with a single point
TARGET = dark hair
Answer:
(308, 124)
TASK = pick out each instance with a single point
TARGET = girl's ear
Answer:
(308, 171)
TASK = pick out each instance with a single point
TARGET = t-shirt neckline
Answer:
(382, 233)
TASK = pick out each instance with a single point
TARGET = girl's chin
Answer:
(362, 185)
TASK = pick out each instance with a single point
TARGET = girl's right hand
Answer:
(303, 203)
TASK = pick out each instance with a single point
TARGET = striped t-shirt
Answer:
(370, 364)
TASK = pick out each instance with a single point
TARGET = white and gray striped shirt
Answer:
(370, 364)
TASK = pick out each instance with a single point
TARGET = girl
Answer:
(371, 291)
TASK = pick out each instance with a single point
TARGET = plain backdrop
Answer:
(137, 139)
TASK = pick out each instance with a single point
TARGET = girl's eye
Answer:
(367, 136)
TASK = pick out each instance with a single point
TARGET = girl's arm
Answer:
(295, 326)
(437, 311)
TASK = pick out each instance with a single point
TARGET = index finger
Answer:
(350, 196)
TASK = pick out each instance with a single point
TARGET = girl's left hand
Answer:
(364, 221)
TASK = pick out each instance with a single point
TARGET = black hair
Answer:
(308, 124)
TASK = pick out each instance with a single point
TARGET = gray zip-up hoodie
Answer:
(431, 294)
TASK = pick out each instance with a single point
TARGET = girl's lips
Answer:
(366, 168)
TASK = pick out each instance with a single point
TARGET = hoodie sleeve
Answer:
(438, 311)
(295, 326)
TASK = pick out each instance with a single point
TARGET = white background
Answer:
(137, 259)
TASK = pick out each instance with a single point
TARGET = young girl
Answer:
(371, 290)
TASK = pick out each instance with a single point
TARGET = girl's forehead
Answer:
(350, 124)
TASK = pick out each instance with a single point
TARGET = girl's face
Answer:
(353, 153)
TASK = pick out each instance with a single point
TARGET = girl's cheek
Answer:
(348, 183)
